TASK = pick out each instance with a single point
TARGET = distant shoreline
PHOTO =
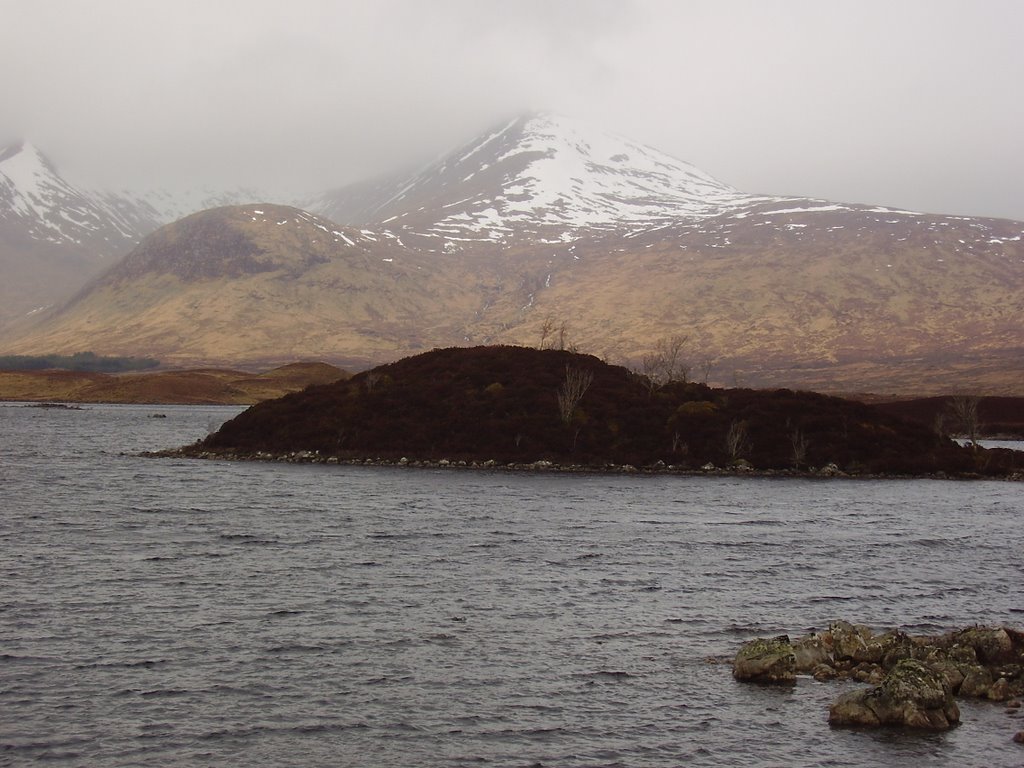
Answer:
(195, 386)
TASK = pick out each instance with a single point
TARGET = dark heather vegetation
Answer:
(80, 361)
(992, 417)
(519, 405)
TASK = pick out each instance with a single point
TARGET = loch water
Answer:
(164, 612)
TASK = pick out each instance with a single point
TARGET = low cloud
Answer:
(909, 104)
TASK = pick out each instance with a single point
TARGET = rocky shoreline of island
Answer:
(829, 471)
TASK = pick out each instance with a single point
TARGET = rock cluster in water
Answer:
(914, 679)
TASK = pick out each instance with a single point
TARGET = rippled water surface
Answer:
(161, 612)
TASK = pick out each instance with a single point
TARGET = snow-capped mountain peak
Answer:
(25, 163)
(550, 178)
(29, 183)
(49, 208)
(583, 177)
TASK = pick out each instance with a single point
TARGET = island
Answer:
(519, 407)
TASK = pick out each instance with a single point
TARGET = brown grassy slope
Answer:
(263, 285)
(201, 387)
(40, 386)
(39, 273)
(837, 301)
(834, 301)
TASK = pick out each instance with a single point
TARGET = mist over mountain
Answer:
(539, 222)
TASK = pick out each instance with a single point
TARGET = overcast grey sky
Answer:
(909, 103)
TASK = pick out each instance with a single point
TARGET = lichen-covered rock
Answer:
(857, 643)
(810, 652)
(866, 672)
(766, 660)
(911, 695)
(977, 681)
(993, 645)
(848, 640)
(823, 672)
(949, 668)
(894, 646)
(977, 662)
(999, 690)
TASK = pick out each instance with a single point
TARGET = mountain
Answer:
(55, 235)
(542, 231)
(38, 199)
(825, 296)
(541, 178)
(262, 284)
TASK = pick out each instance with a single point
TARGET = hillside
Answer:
(824, 299)
(200, 387)
(262, 285)
(818, 296)
(547, 223)
(513, 404)
(54, 235)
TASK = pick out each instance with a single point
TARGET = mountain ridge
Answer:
(56, 235)
(776, 290)
(545, 178)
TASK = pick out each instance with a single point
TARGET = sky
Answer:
(914, 104)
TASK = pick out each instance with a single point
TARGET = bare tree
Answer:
(554, 335)
(650, 368)
(965, 411)
(667, 363)
(736, 441)
(563, 330)
(798, 440)
(706, 364)
(573, 388)
(676, 367)
(546, 329)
